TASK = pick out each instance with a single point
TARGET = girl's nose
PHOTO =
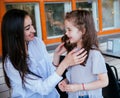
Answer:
(66, 33)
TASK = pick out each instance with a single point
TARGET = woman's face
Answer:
(28, 29)
(73, 33)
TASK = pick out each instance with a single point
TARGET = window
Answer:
(90, 5)
(111, 15)
(55, 13)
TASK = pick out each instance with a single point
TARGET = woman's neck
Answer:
(26, 47)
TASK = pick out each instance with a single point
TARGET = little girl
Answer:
(85, 80)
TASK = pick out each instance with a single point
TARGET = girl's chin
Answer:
(72, 42)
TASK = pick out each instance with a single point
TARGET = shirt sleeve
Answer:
(98, 63)
(32, 83)
(48, 59)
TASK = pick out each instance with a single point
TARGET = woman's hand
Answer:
(75, 57)
(71, 59)
(58, 51)
(62, 85)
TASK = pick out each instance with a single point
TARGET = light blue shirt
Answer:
(39, 63)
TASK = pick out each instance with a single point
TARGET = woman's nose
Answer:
(33, 30)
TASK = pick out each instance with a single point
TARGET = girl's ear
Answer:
(84, 30)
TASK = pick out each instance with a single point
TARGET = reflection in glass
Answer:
(54, 19)
(108, 13)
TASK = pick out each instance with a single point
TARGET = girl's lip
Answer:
(70, 38)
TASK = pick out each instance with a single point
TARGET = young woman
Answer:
(84, 80)
(27, 66)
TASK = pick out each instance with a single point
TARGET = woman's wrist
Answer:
(56, 59)
(56, 65)
(61, 68)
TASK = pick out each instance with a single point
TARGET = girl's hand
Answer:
(75, 57)
(58, 51)
(73, 87)
(62, 85)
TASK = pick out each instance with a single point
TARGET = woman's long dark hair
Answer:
(83, 20)
(13, 42)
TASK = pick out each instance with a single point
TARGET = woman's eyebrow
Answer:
(26, 26)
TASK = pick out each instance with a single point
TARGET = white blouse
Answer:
(39, 63)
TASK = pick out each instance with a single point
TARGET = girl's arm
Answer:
(100, 83)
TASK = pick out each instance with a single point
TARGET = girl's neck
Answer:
(79, 44)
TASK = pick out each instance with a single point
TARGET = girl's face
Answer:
(73, 33)
(28, 29)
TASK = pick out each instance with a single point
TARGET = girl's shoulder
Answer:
(95, 53)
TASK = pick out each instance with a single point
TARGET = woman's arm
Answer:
(32, 83)
(38, 85)
(58, 52)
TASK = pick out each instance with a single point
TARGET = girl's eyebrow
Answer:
(26, 26)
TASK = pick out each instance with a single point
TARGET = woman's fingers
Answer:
(61, 86)
(61, 45)
(81, 60)
(58, 47)
(80, 52)
(76, 56)
(79, 56)
(74, 50)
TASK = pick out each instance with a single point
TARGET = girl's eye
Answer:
(69, 29)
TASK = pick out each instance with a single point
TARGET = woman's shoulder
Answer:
(37, 41)
(8, 65)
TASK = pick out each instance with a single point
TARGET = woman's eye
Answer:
(27, 28)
